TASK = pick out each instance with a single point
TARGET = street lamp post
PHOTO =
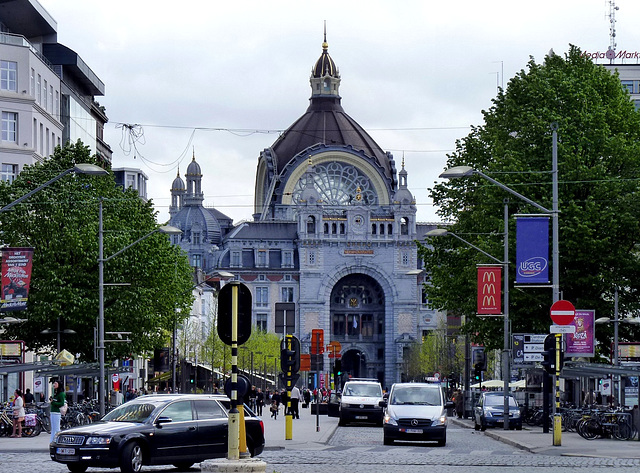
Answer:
(82, 168)
(101, 260)
(505, 264)
(463, 171)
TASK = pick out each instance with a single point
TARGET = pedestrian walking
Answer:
(274, 409)
(57, 401)
(295, 402)
(259, 401)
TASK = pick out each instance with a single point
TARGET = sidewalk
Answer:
(532, 439)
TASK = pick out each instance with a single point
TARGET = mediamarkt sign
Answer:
(610, 54)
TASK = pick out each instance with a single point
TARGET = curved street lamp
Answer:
(101, 260)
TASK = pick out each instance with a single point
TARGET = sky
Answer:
(222, 80)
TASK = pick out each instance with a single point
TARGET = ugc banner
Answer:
(489, 290)
(532, 250)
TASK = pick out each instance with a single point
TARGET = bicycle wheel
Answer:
(621, 431)
(591, 429)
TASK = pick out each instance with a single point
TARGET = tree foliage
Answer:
(599, 167)
(61, 223)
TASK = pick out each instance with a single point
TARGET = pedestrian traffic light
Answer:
(243, 313)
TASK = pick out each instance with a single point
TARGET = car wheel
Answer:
(442, 442)
(388, 441)
(77, 467)
(183, 466)
(131, 458)
(518, 427)
(250, 447)
(342, 421)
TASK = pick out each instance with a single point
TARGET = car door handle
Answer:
(192, 428)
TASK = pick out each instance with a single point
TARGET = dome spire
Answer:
(325, 77)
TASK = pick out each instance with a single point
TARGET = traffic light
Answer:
(337, 369)
(225, 313)
(477, 372)
(290, 354)
(549, 354)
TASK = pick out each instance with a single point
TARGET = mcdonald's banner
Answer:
(16, 277)
(532, 250)
(489, 290)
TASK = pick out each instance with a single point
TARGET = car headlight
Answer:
(442, 420)
(516, 414)
(389, 420)
(488, 414)
(98, 440)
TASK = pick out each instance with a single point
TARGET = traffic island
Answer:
(248, 465)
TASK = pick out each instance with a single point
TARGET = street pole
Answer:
(506, 368)
(233, 450)
(101, 407)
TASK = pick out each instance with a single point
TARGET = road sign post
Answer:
(562, 313)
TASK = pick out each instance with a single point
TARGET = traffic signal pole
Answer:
(288, 418)
(233, 446)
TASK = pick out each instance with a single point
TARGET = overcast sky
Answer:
(225, 78)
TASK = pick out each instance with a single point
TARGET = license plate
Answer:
(66, 451)
(361, 417)
(414, 431)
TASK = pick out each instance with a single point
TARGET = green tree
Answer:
(599, 166)
(61, 224)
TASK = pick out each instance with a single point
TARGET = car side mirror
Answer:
(163, 420)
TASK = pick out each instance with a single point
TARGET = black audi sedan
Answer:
(159, 429)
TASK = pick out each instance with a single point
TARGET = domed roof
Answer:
(325, 65)
(194, 168)
(200, 217)
(325, 122)
(178, 184)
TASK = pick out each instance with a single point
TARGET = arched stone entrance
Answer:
(357, 322)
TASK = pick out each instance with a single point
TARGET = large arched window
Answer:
(339, 184)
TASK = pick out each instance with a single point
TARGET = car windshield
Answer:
(416, 395)
(130, 412)
(499, 401)
(364, 390)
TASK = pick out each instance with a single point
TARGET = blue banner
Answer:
(532, 250)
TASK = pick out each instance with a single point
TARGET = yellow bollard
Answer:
(557, 430)
(242, 445)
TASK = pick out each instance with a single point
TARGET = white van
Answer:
(416, 412)
(360, 402)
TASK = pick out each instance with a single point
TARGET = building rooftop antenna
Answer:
(611, 52)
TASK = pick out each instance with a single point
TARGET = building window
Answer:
(286, 294)
(44, 98)
(405, 258)
(195, 238)
(262, 258)
(32, 82)
(312, 257)
(51, 99)
(39, 89)
(8, 75)
(262, 296)
(367, 325)
(287, 277)
(9, 172)
(235, 259)
(628, 84)
(10, 127)
(338, 324)
(196, 261)
(404, 226)
(353, 324)
(311, 224)
(425, 299)
(287, 259)
(131, 181)
(261, 321)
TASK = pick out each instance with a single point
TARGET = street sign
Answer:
(562, 312)
(562, 329)
(528, 348)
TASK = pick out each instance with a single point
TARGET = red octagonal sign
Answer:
(562, 312)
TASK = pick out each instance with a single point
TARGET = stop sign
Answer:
(562, 312)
